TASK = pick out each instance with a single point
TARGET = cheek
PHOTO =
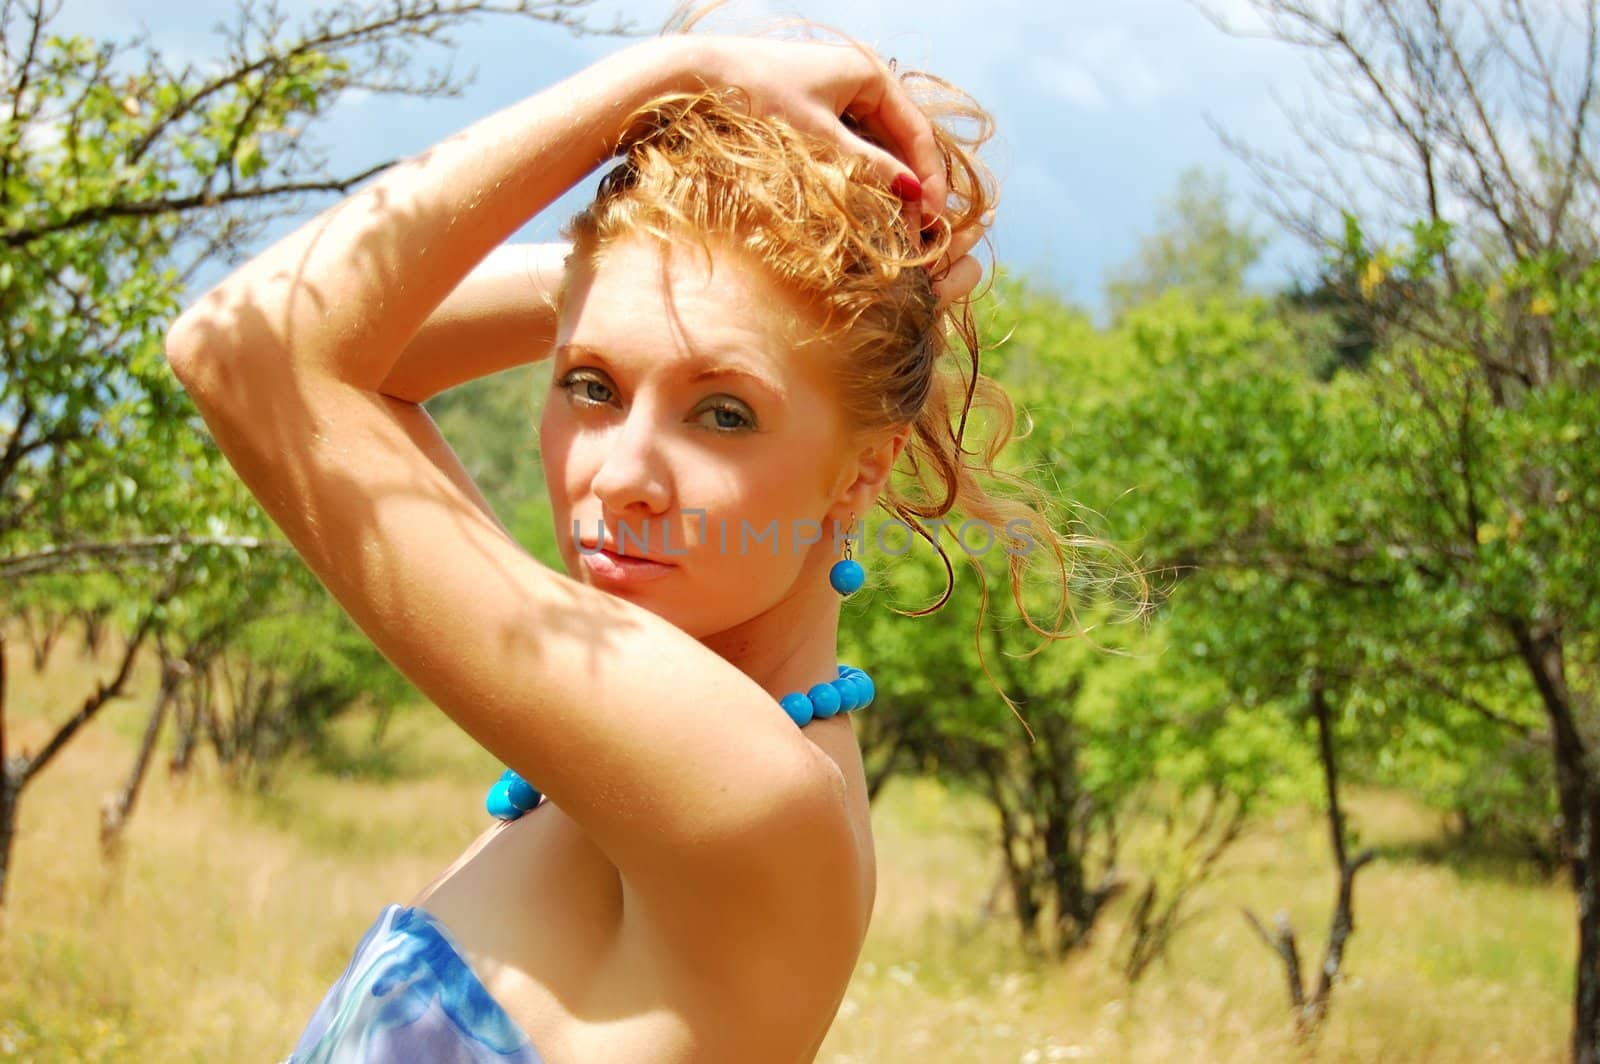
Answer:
(557, 451)
(739, 537)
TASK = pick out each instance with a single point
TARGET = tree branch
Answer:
(52, 558)
(1283, 944)
(103, 692)
(1580, 119)
(1330, 773)
(1488, 179)
(178, 204)
(18, 118)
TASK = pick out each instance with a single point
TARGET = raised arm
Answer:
(502, 315)
(346, 292)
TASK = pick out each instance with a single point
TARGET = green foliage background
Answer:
(1384, 487)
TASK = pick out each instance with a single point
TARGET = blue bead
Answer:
(844, 669)
(825, 698)
(864, 689)
(521, 794)
(847, 576)
(799, 708)
(857, 692)
(509, 774)
(847, 693)
(499, 803)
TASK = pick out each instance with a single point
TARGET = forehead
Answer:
(641, 299)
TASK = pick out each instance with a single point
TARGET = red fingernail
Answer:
(907, 187)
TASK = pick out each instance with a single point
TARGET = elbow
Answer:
(184, 345)
(197, 349)
(806, 824)
(816, 815)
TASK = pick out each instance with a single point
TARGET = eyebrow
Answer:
(708, 370)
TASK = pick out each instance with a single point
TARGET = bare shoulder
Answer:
(776, 943)
(796, 882)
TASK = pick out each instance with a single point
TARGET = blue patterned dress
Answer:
(408, 995)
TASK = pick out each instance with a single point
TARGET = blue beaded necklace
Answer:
(511, 796)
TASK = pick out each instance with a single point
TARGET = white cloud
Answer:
(1073, 83)
(1103, 67)
(1239, 15)
(1125, 61)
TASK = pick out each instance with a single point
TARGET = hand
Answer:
(814, 85)
(958, 272)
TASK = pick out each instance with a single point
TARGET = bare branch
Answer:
(1423, 75)
(180, 204)
(103, 692)
(1493, 180)
(54, 558)
(1283, 944)
(1579, 123)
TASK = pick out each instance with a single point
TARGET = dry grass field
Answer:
(216, 932)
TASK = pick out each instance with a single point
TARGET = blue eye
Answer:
(587, 389)
(729, 417)
(588, 385)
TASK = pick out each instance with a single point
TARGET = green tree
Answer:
(121, 174)
(1453, 188)
(1114, 733)
(1197, 245)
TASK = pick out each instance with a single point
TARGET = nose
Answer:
(632, 478)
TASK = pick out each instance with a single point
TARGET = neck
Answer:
(794, 645)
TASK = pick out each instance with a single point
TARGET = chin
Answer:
(685, 605)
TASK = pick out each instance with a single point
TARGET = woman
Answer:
(745, 336)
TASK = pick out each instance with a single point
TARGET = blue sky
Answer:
(1099, 107)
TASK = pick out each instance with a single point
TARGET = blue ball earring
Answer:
(847, 576)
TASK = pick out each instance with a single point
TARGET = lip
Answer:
(613, 568)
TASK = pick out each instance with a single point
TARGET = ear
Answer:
(864, 480)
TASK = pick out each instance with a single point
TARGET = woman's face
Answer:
(687, 422)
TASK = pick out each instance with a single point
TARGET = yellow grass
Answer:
(215, 935)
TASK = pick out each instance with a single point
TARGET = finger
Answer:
(960, 280)
(964, 240)
(884, 166)
(885, 109)
(903, 124)
(932, 188)
(889, 168)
